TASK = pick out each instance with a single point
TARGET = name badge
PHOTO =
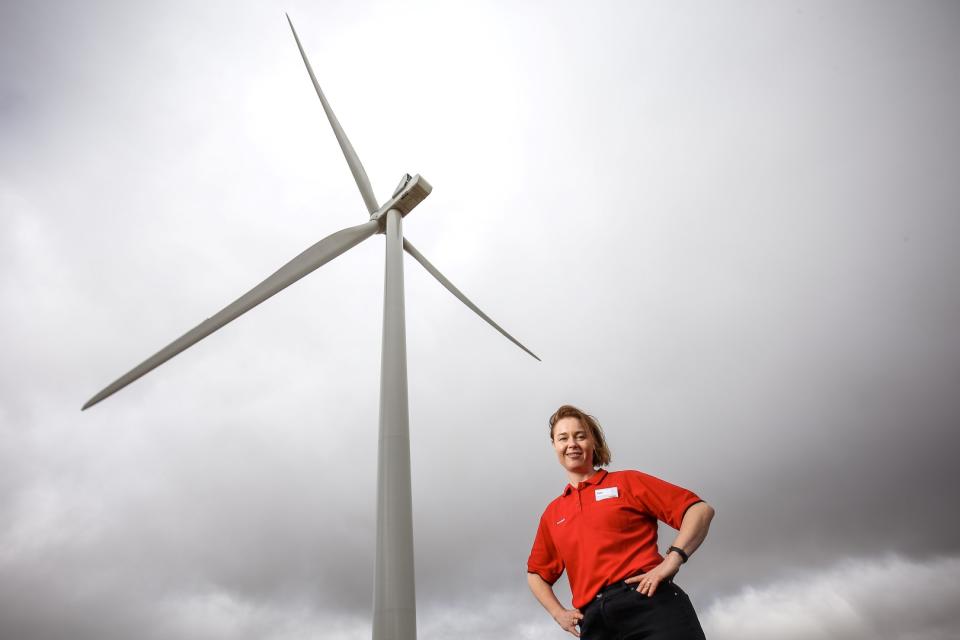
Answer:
(603, 494)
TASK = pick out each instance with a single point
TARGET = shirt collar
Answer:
(596, 478)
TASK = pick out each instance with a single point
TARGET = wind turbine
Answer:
(394, 604)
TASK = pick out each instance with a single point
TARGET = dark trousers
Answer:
(618, 612)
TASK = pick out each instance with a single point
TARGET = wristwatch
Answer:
(683, 554)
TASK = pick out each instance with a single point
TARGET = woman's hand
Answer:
(568, 620)
(663, 572)
(693, 530)
(543, 591)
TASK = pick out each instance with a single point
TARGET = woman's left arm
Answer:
(693, 531)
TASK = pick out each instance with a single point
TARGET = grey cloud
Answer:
(887, 597)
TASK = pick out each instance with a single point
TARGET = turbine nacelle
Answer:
(408, 194)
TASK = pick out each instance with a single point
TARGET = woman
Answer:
(603, 531)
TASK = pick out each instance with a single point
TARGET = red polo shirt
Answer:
(605, 530)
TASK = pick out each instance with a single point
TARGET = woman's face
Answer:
(574, 445)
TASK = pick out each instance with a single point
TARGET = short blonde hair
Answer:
(601, 452)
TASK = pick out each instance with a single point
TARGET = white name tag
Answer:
(603, 494)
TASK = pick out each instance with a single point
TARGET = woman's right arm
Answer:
(543, 592)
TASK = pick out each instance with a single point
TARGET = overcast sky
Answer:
(731, 231)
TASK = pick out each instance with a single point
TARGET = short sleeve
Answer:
(666, 502)
(544, 558)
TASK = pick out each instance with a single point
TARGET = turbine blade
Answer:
(311, 259)
(409, 248)
(356, 168)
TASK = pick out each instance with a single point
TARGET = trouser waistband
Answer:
(621, 585)
(616, 586)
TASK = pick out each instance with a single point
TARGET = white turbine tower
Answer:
(394, 605)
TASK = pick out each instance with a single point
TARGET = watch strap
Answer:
(683, 554)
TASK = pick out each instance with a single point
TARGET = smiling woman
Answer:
(602, 531)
